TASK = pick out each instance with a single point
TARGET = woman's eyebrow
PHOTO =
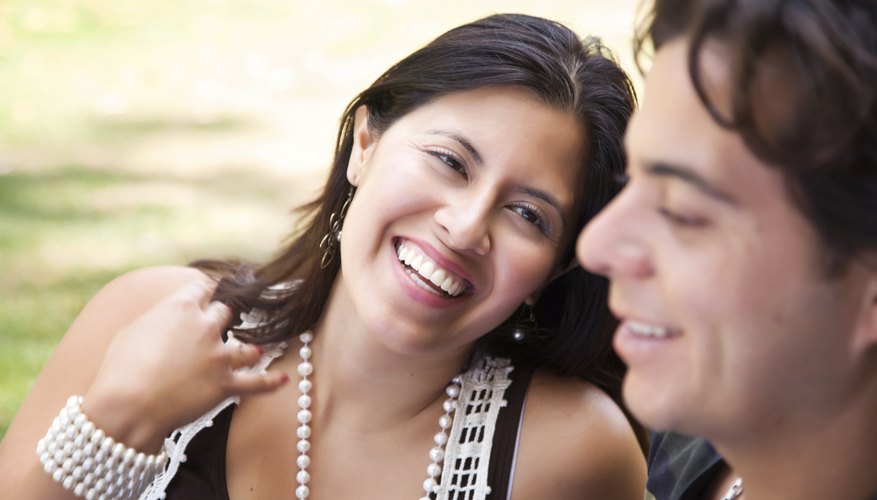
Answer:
(467, 145)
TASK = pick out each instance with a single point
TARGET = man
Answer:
(742, 252)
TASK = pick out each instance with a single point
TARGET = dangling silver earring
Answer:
(526, 328)
(331, 240)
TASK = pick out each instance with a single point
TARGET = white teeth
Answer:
(653, 331)
(438, 276)
(416, 262)
(428, 269)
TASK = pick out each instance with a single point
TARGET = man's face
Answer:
(729, 323)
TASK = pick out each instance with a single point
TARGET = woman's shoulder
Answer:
(148, 284)
(577, 441)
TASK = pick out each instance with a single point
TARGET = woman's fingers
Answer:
(245, 383)
(242, 355)
(218, 313)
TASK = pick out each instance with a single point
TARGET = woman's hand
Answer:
(168, 367)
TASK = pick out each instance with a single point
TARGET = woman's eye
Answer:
(682, 220)
(532, 215)
(451, 161)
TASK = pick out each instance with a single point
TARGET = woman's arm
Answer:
(576, 443)
(146, 353)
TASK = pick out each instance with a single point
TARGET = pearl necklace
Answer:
(304, 416)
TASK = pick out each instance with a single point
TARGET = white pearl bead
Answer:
(79, 421)
(79, 490)
(302, 492)
(41, 446)
(437, 454)
(434, 470)
(306, 337)
(303, 431)
(68, 482)
(305, 386)
(428, 485)
(49, 467)
(304, 401)
(118, 450)
(59, 456)
(303, 461)
(107, 444)
(453, 391)
(445, 422)
(303, 445)
(77, 473)
(449, 406)
(87, 428)
(304, 416)
(97, 437)
(305, 369)
(303, 477)
(90, 495)
(441, 438)
(58, 475)
(305, 352)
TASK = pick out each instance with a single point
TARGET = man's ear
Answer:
(363, 146)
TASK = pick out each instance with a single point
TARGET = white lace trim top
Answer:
(467, 453)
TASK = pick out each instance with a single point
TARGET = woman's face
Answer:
(729, 322)
(460, 209)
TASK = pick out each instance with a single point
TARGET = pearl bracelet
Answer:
(91, 464)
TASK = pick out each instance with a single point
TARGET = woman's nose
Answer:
(465, 223)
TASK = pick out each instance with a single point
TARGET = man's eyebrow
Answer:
(689, 176)
(467, 145)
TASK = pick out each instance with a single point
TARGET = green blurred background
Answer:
(139, 133)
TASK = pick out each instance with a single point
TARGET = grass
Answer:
(141, 133)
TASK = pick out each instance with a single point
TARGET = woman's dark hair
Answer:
(803, 87)
(576, 76)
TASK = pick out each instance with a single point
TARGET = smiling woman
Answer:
(429, 294)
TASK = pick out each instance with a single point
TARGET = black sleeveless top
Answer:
(202, 475)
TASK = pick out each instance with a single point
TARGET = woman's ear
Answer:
(363, 145)
(866, 329)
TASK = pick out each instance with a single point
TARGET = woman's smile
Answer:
(429, 274)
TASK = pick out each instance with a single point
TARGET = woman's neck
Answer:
(358, 378)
